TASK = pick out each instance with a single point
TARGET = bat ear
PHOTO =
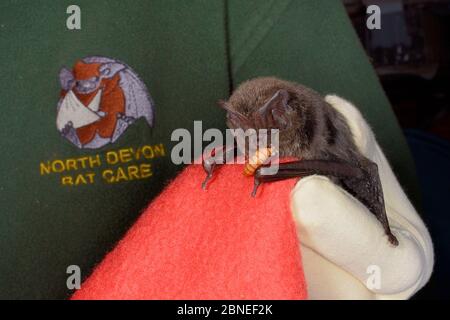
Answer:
(236, 119)
(276, 112)
(222, 104)
(66, 79)
(109, 69)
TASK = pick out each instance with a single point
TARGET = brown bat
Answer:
(309, 129)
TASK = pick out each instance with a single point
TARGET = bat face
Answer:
(262, 103)
(251, 106)
(87, 77)
(87, 86)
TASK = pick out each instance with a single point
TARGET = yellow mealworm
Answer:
(257, 160)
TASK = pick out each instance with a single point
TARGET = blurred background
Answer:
(411, 55)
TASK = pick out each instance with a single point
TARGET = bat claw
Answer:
(205, 182)
(255, 187)
(392, 240)
(209, 168)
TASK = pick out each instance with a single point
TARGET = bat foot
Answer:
(209, 169)
(392, 240)
(205, 182)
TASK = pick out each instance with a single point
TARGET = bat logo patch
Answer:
(100, 98)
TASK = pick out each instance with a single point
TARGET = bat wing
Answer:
(369, 191)
(137, 99)
(363, 182)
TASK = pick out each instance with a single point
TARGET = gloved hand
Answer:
(346, 254)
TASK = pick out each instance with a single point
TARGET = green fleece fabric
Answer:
(189, 54)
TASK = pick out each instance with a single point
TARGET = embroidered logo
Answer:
(100, 98)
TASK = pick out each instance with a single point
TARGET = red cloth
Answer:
(215, 244)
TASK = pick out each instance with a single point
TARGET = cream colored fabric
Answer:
(346, 254)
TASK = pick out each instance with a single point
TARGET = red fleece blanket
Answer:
(215, 244)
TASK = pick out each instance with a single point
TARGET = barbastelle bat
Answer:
(309, 129)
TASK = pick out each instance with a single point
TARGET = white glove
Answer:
(346, 254)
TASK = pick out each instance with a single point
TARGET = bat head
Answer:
(87, 77)
(262, 103)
